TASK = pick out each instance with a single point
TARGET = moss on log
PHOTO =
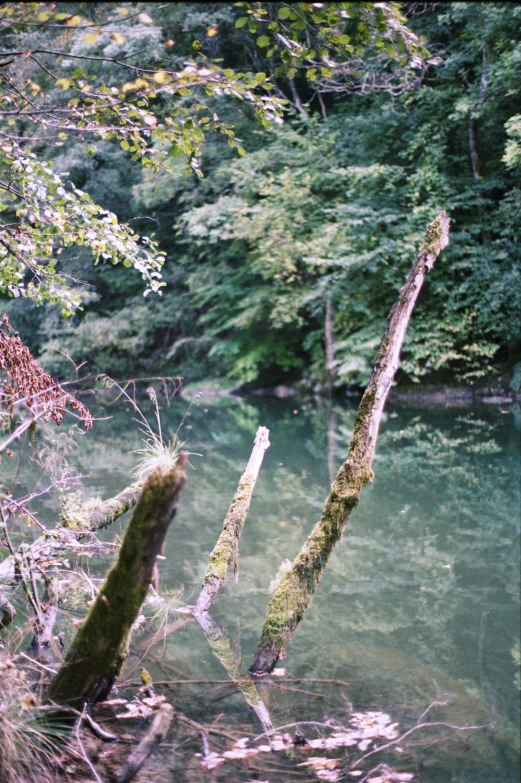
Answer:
(93, 515)
(101, 644)
(297, 587)
(225, 552)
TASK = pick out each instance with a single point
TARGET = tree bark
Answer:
(297, 587)
(330, 344)
(100, 646)
(226, 549)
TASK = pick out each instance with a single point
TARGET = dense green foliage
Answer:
(327, 207)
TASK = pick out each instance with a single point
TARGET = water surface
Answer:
(420, 599)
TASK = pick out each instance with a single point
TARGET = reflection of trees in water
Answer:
(425, 581)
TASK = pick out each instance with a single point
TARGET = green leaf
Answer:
(283, 13)
(241, 22)
(263, 41)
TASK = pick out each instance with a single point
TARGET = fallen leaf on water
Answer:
(325, 769)
(112, 702)
(153, 701)
(211, 760)
(240, 753)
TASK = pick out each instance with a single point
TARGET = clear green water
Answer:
(422, 592)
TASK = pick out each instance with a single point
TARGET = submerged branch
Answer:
(225, 552)
(297, 587)
(101, 644)
(156, 734)
(218, 640)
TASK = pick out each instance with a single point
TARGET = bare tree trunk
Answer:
(100, 646)
(297, 587)
(330, 344)
(225, 552)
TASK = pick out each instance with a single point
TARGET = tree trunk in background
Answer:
(330, 343)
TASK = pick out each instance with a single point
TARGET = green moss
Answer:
(225, 551)
(101, 643)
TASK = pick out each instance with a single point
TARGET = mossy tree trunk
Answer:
(100, 646)
(225, 552)
(297, 587)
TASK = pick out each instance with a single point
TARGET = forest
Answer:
(260, 266)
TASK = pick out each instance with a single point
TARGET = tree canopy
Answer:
(346, 127)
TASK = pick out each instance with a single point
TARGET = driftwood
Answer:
(297, 587)
(225, 552)
(43, 632)
(156, 734)
(101, 644)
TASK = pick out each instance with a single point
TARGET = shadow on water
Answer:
(420, 598)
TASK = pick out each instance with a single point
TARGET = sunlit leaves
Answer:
(53, 216)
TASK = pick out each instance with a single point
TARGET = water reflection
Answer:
(420, 597)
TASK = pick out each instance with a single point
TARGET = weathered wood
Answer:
(156, 734)
(49, 609)
(225, 552)
(101, 644)
(297, 587)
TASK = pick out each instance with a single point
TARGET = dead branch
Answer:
(226, 549)
(101, 644)
(156, 734)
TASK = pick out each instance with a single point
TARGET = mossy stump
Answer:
(100, 646)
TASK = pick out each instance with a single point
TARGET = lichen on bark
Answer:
(226, 550)
(93, 515)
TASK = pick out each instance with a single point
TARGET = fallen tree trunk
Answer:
(225, 552)
(297, 587)
(101, 644)
(156, 734)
